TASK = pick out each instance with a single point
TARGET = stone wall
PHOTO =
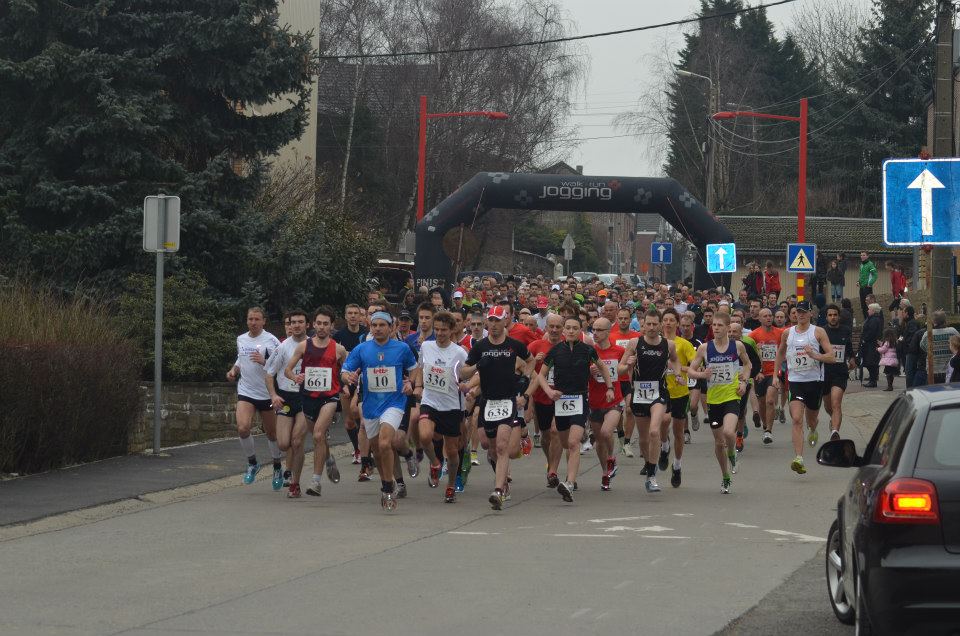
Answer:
(531, 264)
(192, 412)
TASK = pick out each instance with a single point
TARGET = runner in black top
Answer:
(835, 375)
(352, 334)
(495, 358)
(571, 361)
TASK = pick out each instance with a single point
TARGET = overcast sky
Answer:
(622, 67)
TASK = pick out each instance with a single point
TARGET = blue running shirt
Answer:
(381, 374)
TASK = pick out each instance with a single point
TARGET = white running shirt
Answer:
(801, 367)
(253, 377)
(278, 362)
(441, 378)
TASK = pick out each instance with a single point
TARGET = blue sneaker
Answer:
(277, 479)
(458, 486)
(251, 473)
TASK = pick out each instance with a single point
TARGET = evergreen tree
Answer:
(585, 257)
(105, 101)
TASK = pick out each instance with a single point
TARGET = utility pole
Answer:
(940, 262)
(714, 106)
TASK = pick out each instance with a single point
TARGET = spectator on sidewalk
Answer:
(820, 275)
(888, 356)
(953, 367)
(835, 278)
(771, 279)
(898, 283)
(941, 345)
(869, 337)
(866, 279)
(909, 325)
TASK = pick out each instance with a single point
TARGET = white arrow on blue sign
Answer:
(661, 253)
(721, 258)
(921, 201)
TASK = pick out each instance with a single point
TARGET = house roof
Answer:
(769, 235)
(648, 222)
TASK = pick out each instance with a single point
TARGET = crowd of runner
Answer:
(499, 368)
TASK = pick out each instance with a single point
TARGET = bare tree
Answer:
(827, 33)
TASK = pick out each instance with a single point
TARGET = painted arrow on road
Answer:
(926, 183)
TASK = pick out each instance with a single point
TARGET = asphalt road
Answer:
(218, 558)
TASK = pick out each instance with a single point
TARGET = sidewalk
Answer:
(34, 497)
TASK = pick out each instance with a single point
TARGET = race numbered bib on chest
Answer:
(381, 380)
(691, 382)
(569, 405)
(496, 410)
(645, 392)
(623, 342)
(439, 379)
(839, 353)
(722, 372)
(800, 361)
(611, 368)
(768, 352)
(317, 379)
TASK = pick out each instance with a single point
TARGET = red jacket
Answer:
(771, 282)
(898, 281)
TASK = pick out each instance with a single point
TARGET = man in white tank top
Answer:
(803, 347)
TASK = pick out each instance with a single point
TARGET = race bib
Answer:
(623, 343)
(496, 410)
(317, 379)
(839, 353)
(768, 352)
(569, 405)
(550, 376)
(645, 392)
(800, 361)
(611, 368)
(691, 382)
(439, 379)
(381, 380)
(722, 373)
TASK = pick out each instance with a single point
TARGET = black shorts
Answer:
(679, 406)
(625, 388)
(831, 380)
(446, 423)
(311, 405)
(490, 427)
(597, 415)
(260, 405)
(744, 402)
(716, 412)
(810, 393)
(701, 386)
(291, 403)
(405, 422)
(564, 422)
(544, 414)
(761, 387)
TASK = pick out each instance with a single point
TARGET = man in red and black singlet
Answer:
(543, 406)
(621, 334)
(605, 414)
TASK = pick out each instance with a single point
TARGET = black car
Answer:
(893, 553)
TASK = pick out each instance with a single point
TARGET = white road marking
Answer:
(620, 519)
(580, 612)
(683, 514)
(796, 535)
(472, 533)
(643, 529)
(586, 535)
(620, 586)
(740, 525)
(660, 536)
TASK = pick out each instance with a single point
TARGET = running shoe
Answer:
(277, 479)
(612, 467)
(797, 465)
(651, 485)
(782, 416)
(605, 482)
(586, 447)
(443, 468)
(506, 492)
(756, 420)
(566, 491)
(356, 457)
(286, 478)
(687, 439)
(434, 479)
(401, 490)
(746, 432)
(725, 486)
(496, 500)
(643, 471)
(732, 458)
(695, 422)
(739, 444)
(619, 444)
(449, 496)
(664, 460)
(576, 486)
(628, 449)
(526, 445)
(813, 437)
(251, 473)
(314, 488)
(364, 475)
(536, 440)
(675, 478)
(458, 485)
(419, 455)
(388, 501)
(706, 419)
(294, 492)
(767, 437)
(413, 468)
(834, 435)
(333, 473)
(474, 459)
(552, 480)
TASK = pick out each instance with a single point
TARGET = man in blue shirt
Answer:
(380, 365)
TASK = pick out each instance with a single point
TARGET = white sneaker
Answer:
(628, 449)
(586, 447)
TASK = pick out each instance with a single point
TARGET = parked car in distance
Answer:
(584, 276)
(608, 279)
(893, 552)
(480, 274)
(634, 279)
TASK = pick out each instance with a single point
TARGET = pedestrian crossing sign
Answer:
(801, 258)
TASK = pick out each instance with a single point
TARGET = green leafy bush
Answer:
(68, 381)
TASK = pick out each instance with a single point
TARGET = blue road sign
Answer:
(661, 253)
(921, 202)
(721, 258)
(801, 258)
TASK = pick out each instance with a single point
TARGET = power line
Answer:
(495, 47)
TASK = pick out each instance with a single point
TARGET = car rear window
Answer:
(940, 447)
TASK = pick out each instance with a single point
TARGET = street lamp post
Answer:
(422, 148)
(801, 171)
(714, 104)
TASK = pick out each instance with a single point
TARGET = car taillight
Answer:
(907, 501)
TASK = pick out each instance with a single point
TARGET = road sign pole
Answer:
(802, 191)
(158, 327)
(929, 316)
